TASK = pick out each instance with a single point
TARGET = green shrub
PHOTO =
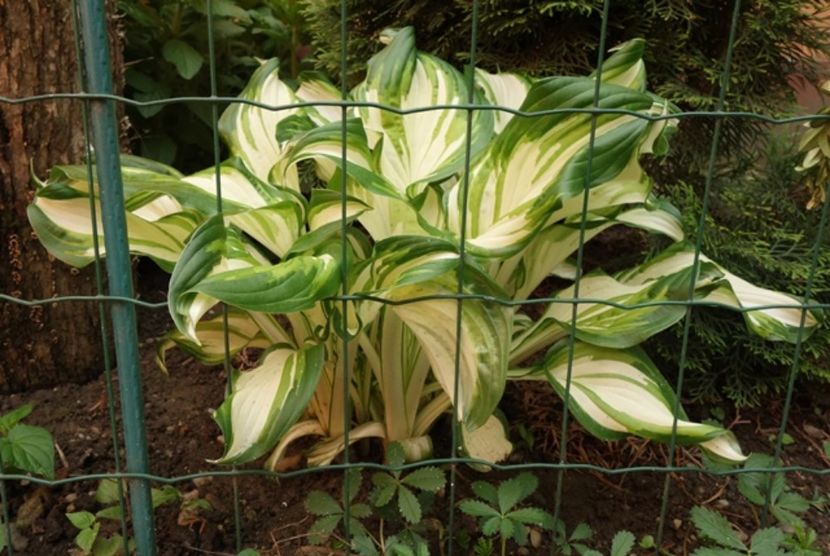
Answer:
(760, 224)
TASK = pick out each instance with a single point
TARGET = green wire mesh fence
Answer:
(101, 133)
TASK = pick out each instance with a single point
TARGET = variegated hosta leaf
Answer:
(403, 370)
(243, 332)
(618, 326)
(615, 393)
(241, 188)
(64, 227)
(425, 146)
(625, 66)
(276, 227)
(777, 324)
(409, 259)
(142, 182)
(325, 218)
(503, 89)
(483, 348)
(250, 132)
(316, 88)
(160, 212)
(213, 249)
(324, 144)
(552, 246)
(488, 442)
(725, 448)
(536, 164)
(267, 401)
(286, 287)
(323, 453)
(272, 215)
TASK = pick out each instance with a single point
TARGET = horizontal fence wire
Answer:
(465, 296)
(507, 467)
(470, 107)
(713, 114)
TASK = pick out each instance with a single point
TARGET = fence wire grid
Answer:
(101, 136)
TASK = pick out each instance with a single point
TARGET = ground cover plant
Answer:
(390, 223)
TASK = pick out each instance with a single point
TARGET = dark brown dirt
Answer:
(182, 437)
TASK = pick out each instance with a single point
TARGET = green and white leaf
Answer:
(488, 442)
(243, 332)
(614, 393)
(777, 324)
(502, 89)
(316, 88)
(267, 400)
(483, 344)
(290, 286)
(250, 131)
(425, 146)
(212, 250)
(535, 164)
(617, 325)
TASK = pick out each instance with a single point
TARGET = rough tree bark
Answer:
(43, 345)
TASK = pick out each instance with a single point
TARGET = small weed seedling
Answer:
(771, 541)
(395, 499)
(394, 485)
(785, 504)
(715, 528)
(497, 508)
(25, 448)
(574, 543)
(89, 538)
(330, 512)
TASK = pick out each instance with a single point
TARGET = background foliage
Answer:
(687, 43)
(759, 224)
(166, 52)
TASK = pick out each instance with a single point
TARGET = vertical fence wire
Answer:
(785, 414)
(226, 358)
(99, 281)
(344, 277)
(701, 228)
(583, 221)
(462, 260)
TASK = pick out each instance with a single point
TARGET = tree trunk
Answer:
(42, 345)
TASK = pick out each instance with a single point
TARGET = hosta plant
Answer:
(386, 225)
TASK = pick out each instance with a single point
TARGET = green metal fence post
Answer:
(96, 61)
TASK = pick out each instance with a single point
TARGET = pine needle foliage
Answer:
(687, 44)
(760, 224)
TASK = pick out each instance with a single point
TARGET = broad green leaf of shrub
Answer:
(29, 449)
(187, 59)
